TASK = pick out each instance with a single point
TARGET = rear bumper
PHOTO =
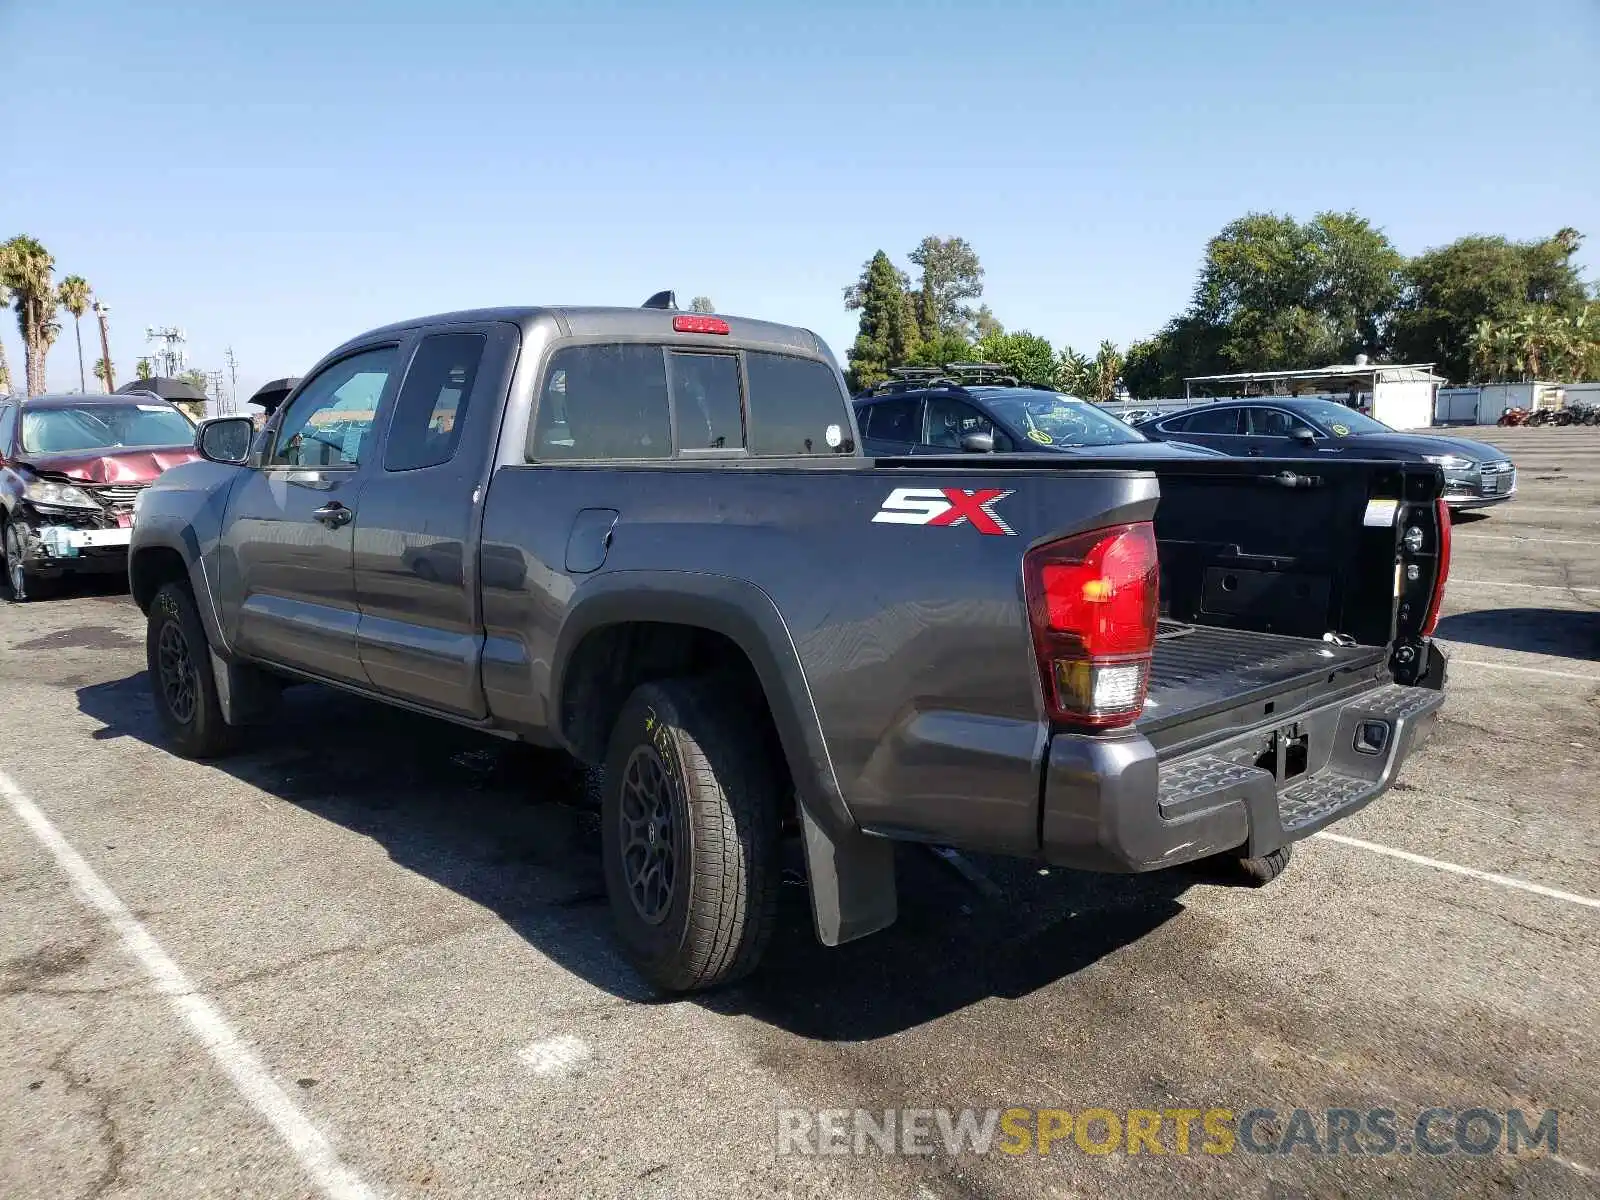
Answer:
(1111, 805)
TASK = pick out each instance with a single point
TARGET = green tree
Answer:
(1287, 295)
(702, 304)
(5, 302)
(1537, 342)
(1107, 373)
(946, 348)
(950, 276)
(1073, 373)
(144, 370)
(1027, 356)
(1156, 367)
(27, 269)
(102, 374)
(74, 296)
(1451, 290)
(985, 324)
(885, 337)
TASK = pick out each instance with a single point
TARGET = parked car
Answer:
(649, 538)
(71, 467)
(943, 416)
(1476, 474)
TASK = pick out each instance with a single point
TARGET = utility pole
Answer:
(101, 311)
(216, 389)
(233, 382)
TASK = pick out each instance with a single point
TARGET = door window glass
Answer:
(1274, 422)
(951, 420)
(894, 421)
(1212, 420)
(331, 419)
(433, 401)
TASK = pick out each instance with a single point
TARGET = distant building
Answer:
(1401, 395)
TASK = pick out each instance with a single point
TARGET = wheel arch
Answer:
(852, 873)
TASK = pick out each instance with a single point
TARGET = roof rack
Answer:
(952, 377)
(980, 373)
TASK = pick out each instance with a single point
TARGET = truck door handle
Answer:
(333, 514)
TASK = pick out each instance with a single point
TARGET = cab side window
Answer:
(8, 428)
(433, 401)
(330, 422)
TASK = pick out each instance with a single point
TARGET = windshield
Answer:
(1053, 419)
(104, 427)
(1339, 419)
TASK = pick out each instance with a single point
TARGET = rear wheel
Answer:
(1261, 871)
(181, 677)
(689, 831)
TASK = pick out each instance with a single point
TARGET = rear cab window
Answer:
(643, 401)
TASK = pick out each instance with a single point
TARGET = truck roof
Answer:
(595, 321)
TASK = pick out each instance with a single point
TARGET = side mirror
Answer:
(1303, 435)
(225, 439)
(977, 443)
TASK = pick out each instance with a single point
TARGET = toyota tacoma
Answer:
(651, 538)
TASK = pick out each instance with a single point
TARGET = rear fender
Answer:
(851, 872)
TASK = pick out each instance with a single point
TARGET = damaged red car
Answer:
(71, 470)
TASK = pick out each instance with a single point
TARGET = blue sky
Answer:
(277, 177)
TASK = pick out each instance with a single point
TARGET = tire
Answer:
(23, 584)
(689, 836)
(1259, 872)
(181, 679)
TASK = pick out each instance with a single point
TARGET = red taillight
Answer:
(699, 325)
(1092, 603)
(1436, 601)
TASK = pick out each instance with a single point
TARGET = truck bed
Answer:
(1199, 670)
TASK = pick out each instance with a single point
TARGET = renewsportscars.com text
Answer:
(1180, 1131)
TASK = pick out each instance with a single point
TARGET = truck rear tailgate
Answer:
(1200, 670)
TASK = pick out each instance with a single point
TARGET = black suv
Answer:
(973, 408)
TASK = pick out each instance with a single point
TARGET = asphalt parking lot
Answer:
(390, 972)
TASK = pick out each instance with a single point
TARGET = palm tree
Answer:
(5, 367)
(28, 270)
(74, 295)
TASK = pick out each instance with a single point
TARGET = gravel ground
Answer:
(402, 925)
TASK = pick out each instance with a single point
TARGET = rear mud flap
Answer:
(852, 882)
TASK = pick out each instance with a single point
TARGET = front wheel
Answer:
(689, 836)
(179, 658)
(24, 583)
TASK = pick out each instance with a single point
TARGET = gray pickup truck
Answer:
(648, 537)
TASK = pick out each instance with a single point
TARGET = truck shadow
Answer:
(513, 830)
(1563, 632)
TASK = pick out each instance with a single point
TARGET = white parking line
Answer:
(1478, 662)
(1532, 541)
(1522, 508)
(1538, 587)
(242, 1065)
(1522, 885)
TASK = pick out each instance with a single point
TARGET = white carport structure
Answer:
(1401, 395)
